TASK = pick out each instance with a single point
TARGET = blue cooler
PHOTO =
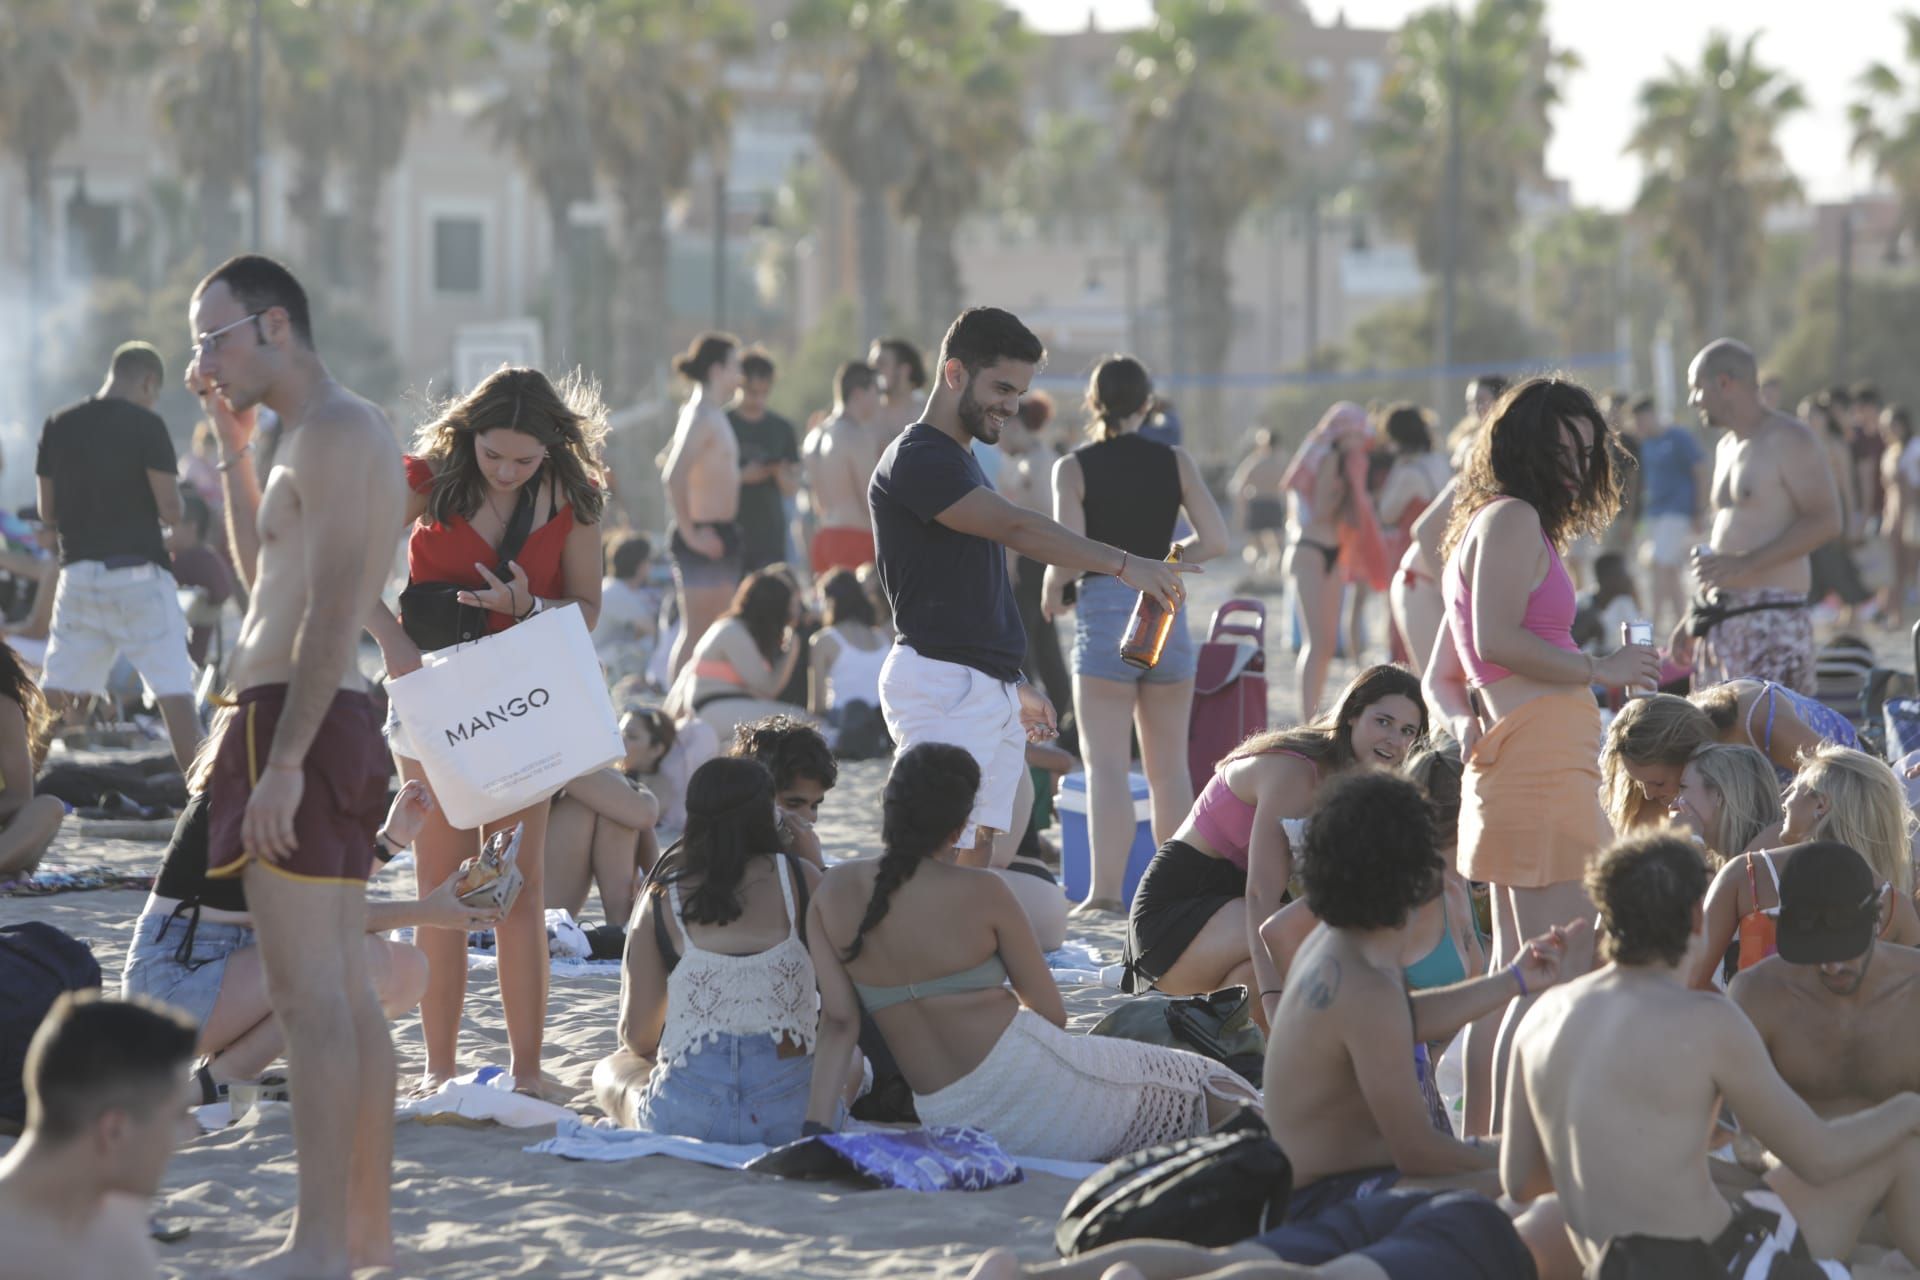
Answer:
(1076, 844)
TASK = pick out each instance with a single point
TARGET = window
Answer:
(1319, 69)
(456, 255)
(1363, 87)
(1319, 131)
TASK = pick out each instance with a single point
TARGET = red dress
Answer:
(449, 552)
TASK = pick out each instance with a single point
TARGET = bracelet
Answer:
(234, 461)
(1272, 991)
(1519, 981)
(533, 607)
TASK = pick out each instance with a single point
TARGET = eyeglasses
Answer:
(207, 343)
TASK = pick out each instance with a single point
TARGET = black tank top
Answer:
(183, 871)
(1132, 493)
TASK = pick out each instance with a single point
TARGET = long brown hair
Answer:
(16, 684)
(1518, 455)
(1328, 741)
(764, 605)
(570, 421)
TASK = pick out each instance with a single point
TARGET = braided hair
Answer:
(929, 795)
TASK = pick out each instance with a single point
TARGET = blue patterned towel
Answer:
(937, 1159)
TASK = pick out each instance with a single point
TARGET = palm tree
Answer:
(1886, 126)
(866, 123)
(1508, 76)
(40, 48)
(1206, 94)
(1708, 136)
(656, 81)
(540, 114)
(201, 92)
(966, 94)
(385, 59)
(1068, 180)
(299, 103)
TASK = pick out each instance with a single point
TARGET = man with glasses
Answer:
(107, 484)
(300, 776)
(1839, 1011)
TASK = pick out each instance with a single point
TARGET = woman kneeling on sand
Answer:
(717, 1003)
(927, 947)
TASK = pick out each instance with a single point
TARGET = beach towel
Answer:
(1530, 810)
(1361, 544)
(578, 1139)
(485, 1096)
(936, 1159)
(1075, 964)
(47, 881)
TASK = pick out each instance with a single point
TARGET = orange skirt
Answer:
(1530, 812)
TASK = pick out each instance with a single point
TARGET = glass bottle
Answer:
(1149, 627)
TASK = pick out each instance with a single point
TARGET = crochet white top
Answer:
(770, 993)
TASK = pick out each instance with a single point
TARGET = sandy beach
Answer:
(471, 1203)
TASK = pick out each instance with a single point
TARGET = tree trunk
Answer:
(307, 205)
(642, 316)
(1211, 298)
(1180, 240)
(937, 287)
(365, 184)
(560, 354)
(872, 230)
(36, 164)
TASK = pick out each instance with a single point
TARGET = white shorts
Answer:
(1666, 544)
(925, 700)
(101, 613)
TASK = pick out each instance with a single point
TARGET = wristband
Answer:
(230, 463)
(384, 846)
(1519, 981)
(532, 608)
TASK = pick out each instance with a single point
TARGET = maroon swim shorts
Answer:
(341, 806)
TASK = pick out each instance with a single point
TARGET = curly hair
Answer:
(764, 605)
(1866, 810)
(1749, 795)
(1661, 729)
(1519, 455)
(1646, 890)
(928, 797)
(569, 421)
(17, 686)
(730, 822)
(790, 748)
(1370, 856)
(1328, 741)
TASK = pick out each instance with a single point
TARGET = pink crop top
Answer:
(1549, 615)
(1225, 821)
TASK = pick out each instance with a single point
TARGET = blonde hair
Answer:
(1866, 810)
(1749, 794)
(1661, 729)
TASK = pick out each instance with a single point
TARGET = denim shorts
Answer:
(161, 964)
(732, 1089)
(1100, 623)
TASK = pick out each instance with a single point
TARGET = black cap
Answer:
(1829, 904)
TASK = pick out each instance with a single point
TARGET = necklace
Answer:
(487, 498)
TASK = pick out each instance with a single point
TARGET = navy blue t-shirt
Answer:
(949, 591)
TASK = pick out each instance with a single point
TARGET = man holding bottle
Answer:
(954, 673)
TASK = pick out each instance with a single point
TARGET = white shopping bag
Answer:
(504, 722)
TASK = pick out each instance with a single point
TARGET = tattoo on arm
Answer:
(1323, 983)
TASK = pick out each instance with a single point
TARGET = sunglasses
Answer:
(207, 343)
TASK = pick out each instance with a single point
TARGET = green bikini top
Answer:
(986, 975)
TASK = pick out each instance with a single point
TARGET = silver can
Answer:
(1639, 631)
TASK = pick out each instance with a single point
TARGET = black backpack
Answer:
(37, 964)
(1211, 1191)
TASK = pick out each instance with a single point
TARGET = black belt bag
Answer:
(431, 612)
(1705, 615)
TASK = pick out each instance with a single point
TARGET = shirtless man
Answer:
(108, 1083)
(1259, 506)
(299, 781)
(1342, 1092)
(702, 475)
(1617, 1078)
(903, 386)
(1838, 1009)
(1773, 502)
(839, 459)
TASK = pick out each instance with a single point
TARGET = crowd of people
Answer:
(1656, 898)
